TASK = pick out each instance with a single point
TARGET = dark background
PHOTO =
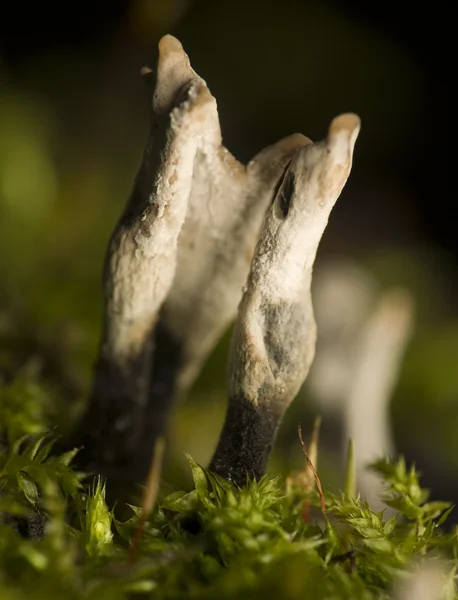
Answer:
(422, 32)
(73, 121)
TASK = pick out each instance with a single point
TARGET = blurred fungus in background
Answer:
(73, 122)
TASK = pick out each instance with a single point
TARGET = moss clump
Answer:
(215, 541)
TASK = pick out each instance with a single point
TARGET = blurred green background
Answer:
(73, 123)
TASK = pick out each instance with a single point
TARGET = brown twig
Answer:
(149, 496)
(312, 468)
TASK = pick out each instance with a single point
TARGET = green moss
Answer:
(213, 541)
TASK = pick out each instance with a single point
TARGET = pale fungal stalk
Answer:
(176, 266)
(274, 338)
(365, 332)
(381, 351)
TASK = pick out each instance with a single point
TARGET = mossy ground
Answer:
(214, 541)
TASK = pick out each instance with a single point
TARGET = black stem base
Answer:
(246, 441)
